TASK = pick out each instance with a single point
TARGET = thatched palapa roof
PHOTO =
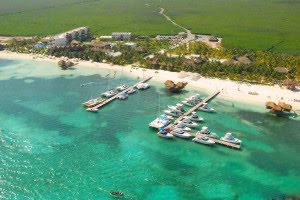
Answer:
(270, 105)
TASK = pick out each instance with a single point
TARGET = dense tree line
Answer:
(261, 70)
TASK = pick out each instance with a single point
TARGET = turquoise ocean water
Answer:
(51, 148)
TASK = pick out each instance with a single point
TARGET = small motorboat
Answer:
(183, 127)
(92, 109)
(161, 122)
(180, 133)
(116, 193)
(164, 132)
(131, 90)
(122, 96)
(178, 107)
(93, 102)
(121, 87)
(174, 113)
(206, 108)
(229, 138)
(187, 122)
(204, 130)
(109, 93)
(204, 140)
(190, 102)
(194, 117)
(142, 86)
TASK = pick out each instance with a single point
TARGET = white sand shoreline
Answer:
(230, 90)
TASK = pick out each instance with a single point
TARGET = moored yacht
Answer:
(183, 127)
(194, 117)
(92, 109)
(204, 140)
(142, 86)
(204, 130)
(190, 102)
(131, 90)
(165, 133)
(206, 108)
(93, 102)
(178, 107)
(122, 87)
(161, 122)
(180, 133)
(174, 113)
(109, 93)
(229, 138)
(122, 96)
(188, 123)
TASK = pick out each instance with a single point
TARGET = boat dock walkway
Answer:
(227, 144)
(107, 101)
(210, 97)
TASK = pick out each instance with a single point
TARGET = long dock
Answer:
(207, 99)
(210, 97)
(107, 101)
(227, 144)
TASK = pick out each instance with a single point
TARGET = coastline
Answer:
(230, 90)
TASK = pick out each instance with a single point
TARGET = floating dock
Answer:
(107, 101)
(221, 142)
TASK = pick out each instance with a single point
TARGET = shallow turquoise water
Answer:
(51, 148)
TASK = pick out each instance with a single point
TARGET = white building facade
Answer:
(63, 38)
(121, 35)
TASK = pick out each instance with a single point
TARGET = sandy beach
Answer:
(230, 90)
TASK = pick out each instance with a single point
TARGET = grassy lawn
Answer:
(252, 24)
(102, 16)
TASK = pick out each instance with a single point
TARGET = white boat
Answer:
(165, 134)
(188, 123)
(180, 133)
(92, 109)
(178, 107)
(109, 93)
(183, 127)
(130, 91)
(122, 87)
(160, 122)
(93, 102)
(122, 96)
(190, 102)
(206, 108)
(204, 130)
(204, 140)
(229, 138)
(174, 113)
(194, 117)
(195, 97)
(142, 86)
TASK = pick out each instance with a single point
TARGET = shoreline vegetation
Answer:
(230, 90)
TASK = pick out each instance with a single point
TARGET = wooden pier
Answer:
(210, 97)
(107, 101)
(221, 142)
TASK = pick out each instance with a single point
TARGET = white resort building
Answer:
(63, 39)
(121, 35)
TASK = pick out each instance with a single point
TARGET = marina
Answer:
(116, 96)
(183, 116)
